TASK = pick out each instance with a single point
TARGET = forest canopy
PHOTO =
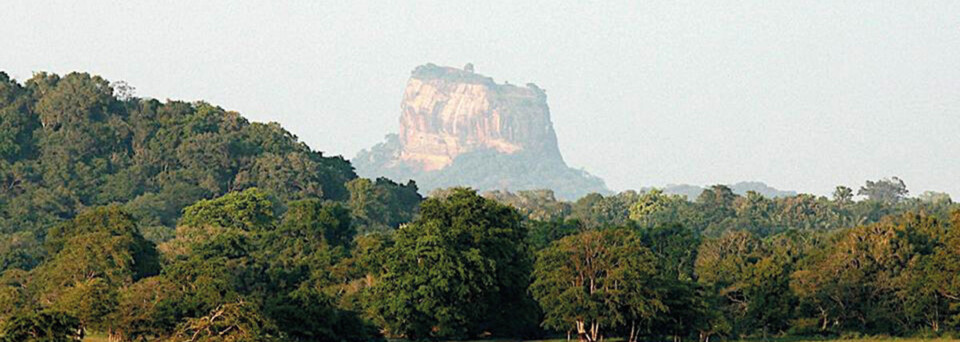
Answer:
(171, 221)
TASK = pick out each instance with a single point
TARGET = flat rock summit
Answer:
(458, 127)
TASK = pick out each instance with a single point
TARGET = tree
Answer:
(238, 321)
(91, 301)
(749, 281)
(675, 251)
(320, 222)
(861, 279)
(595, 210)
(249, 210)
(542, 233)
(654, 207)
(382, 205)
(17, 123)
(596, 280)
(44, 326)
(887, 191)
(539, 205)
(934, 197)
(842, 195)
(145, 309)
(94, 254)
(459, 269)
(718, 197)
(934, 286)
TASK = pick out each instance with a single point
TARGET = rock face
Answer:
(447, 112)
(453, 117)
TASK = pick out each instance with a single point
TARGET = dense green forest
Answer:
(149, 220)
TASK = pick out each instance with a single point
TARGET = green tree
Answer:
(249, 210)
(320, 222)
(459, 269)
(675, 251)
(232, 322)
(842, 195)
(145, 309)
(861, 279)
(44, 326)
(382, 205)
(888, 191)
(17, 123)
(96, 253)
(596, 280)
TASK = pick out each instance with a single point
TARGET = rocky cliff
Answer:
(458, 127)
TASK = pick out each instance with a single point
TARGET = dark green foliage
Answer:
(317, 222)
(16, 122)
(458, 270)
(92, 256)
(233, 257)
(309, 315)
(44, 326)
(542, 233)
(146, 220)
(595, 210)
(71, 142)
(749, 281)
(382, 205)
(675, 250)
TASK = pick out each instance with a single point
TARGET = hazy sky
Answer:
(803, 95)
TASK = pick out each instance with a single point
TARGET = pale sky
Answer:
(802, 95)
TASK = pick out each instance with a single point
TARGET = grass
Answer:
(95, 337)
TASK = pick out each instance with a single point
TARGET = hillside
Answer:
(74, 142)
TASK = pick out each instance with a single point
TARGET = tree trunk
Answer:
(595, 332)
(823, 316)
(582, 335)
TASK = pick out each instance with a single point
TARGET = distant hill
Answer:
(458, 127)
(741, 188)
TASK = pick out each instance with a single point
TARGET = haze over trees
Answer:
(172, 221)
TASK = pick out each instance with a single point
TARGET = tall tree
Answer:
(596, 280)
(459, 269)
(888, 190)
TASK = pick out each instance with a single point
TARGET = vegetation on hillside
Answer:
(140, 220)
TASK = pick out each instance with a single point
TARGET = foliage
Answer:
(884, 190)
(44, 326)
(232, 322)
(382, 205)
(458, 270)
(145, 220)
(595, 280)
(73, 142)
